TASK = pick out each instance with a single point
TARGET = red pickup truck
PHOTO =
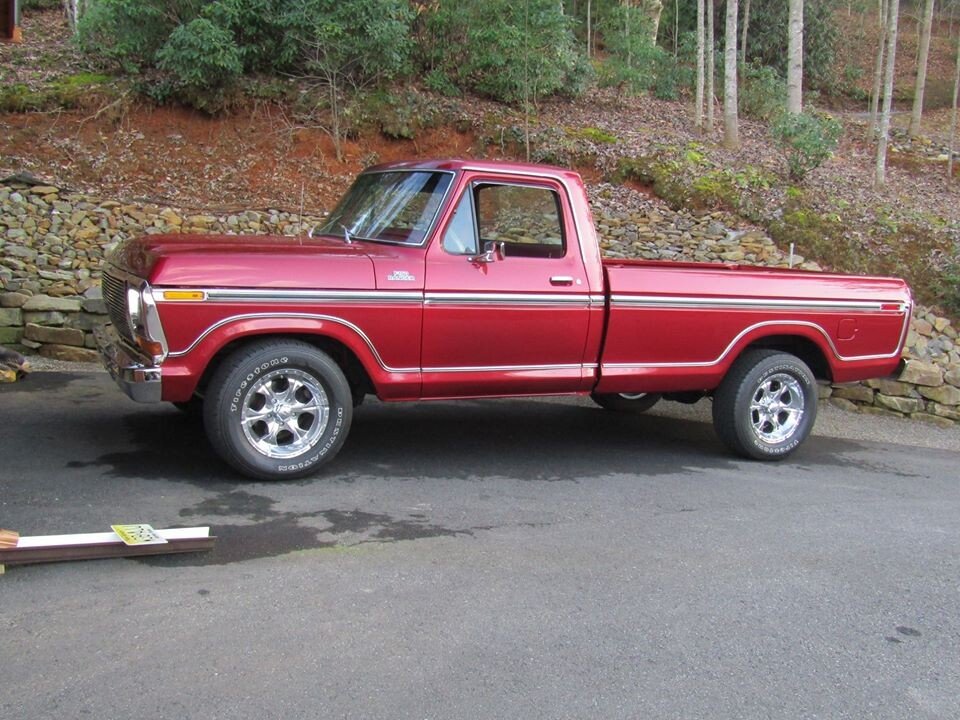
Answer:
(467, 279)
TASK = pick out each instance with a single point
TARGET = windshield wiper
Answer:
(346, 234)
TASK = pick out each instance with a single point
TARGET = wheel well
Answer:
(356, 374)
(800, 347)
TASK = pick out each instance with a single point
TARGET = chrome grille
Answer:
(115, 298)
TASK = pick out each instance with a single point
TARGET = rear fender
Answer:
(707, 375)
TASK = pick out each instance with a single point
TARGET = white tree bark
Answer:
(731, 123)
(74, 10)
(698, 110)
(589, 29)
(878, 69)
(893, 16)
(953, 115)
(711, 67)
(924, 54)
(653, 9)
(795, 58)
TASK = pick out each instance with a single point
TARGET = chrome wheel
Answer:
(766, 405)
(284, 413)
(777, 408)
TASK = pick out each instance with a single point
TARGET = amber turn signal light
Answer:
(184, 295)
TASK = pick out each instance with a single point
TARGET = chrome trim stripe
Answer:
(775, 323)
(502, 368)
(507, 299)
(374, 296)
(278, 295)
(749, 303)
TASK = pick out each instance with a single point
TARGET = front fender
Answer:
(184, 367)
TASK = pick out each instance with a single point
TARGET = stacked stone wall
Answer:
(52, 244)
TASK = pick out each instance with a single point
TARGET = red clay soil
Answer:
(174, 155)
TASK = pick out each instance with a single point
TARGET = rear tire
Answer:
(278, 409)
(766, 405)
(626, 402)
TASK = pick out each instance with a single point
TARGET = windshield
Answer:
(396, 207)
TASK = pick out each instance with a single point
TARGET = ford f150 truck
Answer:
(467, 279)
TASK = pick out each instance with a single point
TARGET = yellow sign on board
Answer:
(138, 534)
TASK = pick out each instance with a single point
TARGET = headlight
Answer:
(145, 322)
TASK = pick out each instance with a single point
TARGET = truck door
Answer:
(507, 303)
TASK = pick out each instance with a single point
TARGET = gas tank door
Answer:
(847, 329)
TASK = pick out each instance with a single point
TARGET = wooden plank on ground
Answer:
(93, 546)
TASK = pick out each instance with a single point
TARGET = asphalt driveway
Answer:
(499, 559)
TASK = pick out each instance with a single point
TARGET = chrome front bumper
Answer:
(136, 378)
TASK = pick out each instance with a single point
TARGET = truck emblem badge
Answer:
(401, 275)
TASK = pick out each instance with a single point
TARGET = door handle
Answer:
(561, 280)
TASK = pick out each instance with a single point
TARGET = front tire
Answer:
(278, 409)
(766, 405)
(626, 402)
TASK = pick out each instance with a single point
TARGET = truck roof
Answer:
(459, 164)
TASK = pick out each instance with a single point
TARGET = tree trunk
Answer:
(73, 11)
(653, 9)
(924, 51)
(953, 115)
(589, 30)
(795, 59)
(878, 70)
(335, 120)
(698, 110)
(711, 67)
(731, 125)
(893, 15)
(743, 33)
(676, 27)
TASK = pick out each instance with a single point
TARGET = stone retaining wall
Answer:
(52, 243)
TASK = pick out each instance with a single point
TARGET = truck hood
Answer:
(245, 261)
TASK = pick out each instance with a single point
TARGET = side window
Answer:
(526, 219)
(461, 235)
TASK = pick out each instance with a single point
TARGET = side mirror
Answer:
(492, 252)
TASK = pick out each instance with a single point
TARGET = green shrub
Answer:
(508, 51)
(203, 61)
(807, 139)
(260, 29)
(762, 93)
(126, 33)
(948, 286)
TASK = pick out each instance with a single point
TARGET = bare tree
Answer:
(878, 68)
(731, 124)
(893, 15)
(953, 115)
(711, 67)
(74, 10)
(743, 33)
(924, 53)
(698, 110)
(795, 58)
(653, 9)
(676, 27)
(589, 28)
